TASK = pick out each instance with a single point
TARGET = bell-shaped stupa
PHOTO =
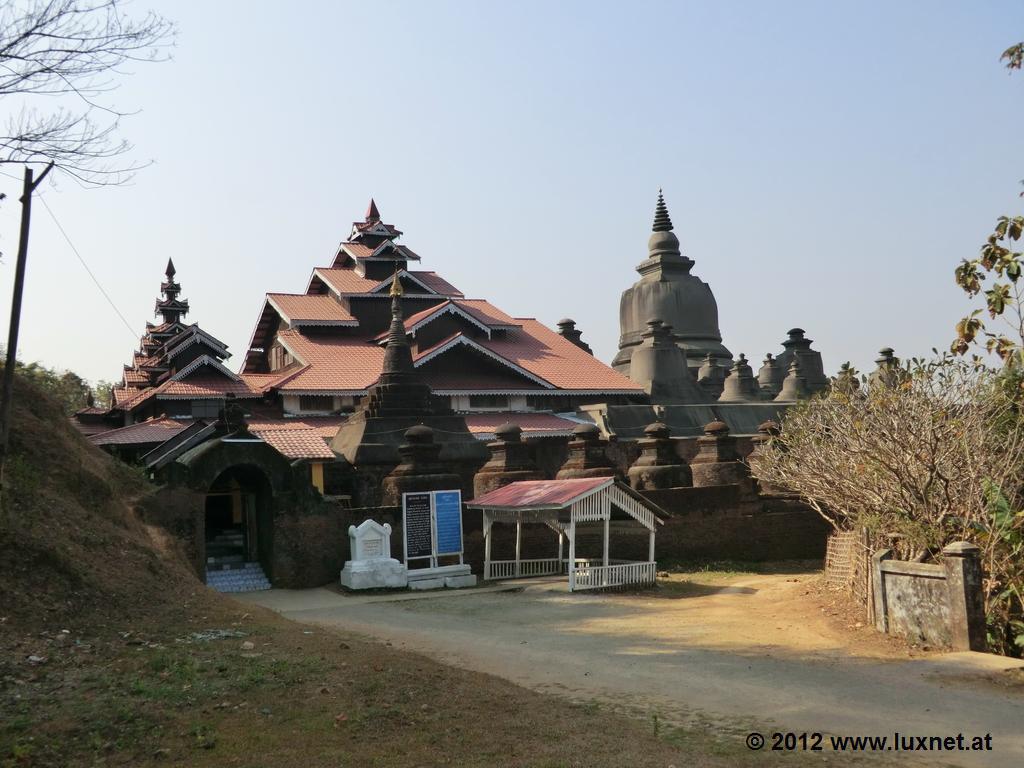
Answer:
(667, 291)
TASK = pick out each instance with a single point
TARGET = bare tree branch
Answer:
(75, 50)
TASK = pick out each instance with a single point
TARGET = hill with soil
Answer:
(72, 550)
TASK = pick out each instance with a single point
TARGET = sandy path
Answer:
(753, 649)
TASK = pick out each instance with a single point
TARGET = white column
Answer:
(650, 547)
(519, 542)
(572, 554)
(606, 513)
(487, 545)
(560, 550)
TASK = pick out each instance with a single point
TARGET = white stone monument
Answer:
(372, 566)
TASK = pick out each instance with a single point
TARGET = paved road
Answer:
(716, 657)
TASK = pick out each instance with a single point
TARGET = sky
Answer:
(826, 165)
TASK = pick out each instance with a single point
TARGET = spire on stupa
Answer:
(662, 222)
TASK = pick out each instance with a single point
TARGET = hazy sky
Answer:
(826, 164)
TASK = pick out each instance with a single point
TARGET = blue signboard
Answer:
(448, 521)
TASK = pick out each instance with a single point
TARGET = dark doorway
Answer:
(238, 519)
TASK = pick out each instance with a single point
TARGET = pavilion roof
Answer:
(541, 494)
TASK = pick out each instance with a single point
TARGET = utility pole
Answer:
(7, 393)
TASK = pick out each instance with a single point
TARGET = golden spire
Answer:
(396, 285)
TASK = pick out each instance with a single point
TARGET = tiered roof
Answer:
(334, 335)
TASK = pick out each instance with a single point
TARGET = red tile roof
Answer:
(310, 309)
(345, 280)
(436, 283)
(482, 425)
(532, 494)
(295, 443)
(152, 431)
(557, 360)
(351, 364)
(325, 426)
(205, 386)
(487, 313)
(341, 363)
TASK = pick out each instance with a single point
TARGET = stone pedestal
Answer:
(587, 457)
(717, 461)
(659, 466)
(420, 469)
(510, 461)
(372, 566)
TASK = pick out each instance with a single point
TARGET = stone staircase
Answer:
(226, 568)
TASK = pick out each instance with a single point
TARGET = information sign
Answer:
(417, 525)
(448, 522)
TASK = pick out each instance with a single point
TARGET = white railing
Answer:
(632, 507)
(507, 569)
(605, 576)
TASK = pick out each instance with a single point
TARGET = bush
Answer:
(930, 454)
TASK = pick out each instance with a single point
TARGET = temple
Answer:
(381, 378)
(671, 346)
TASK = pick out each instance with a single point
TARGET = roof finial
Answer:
(170, 269)
(396, 285)
(662, 222)
(372, 214)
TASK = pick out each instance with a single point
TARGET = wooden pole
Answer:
(7, 393)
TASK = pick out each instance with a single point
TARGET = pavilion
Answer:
(562, 505)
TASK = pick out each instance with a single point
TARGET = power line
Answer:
(106, 296)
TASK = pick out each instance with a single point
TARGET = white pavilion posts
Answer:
(519, 546)
(572, 552)
(487, 544)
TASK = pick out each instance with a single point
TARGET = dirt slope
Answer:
(71, 550)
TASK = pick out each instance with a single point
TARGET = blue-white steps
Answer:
(242, 577)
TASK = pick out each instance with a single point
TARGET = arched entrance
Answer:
(238, 519)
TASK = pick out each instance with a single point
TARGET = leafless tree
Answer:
(72, 53)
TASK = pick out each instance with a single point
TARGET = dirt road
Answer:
(740, 652)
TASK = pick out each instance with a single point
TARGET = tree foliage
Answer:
(995, 274)
(67, 56)
(919, 461)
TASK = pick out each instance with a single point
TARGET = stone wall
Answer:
(310, 549)
(938, 604)
(725, 522)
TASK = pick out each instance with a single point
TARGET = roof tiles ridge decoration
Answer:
(426, 316)
(405, 273)
(198, 363)
(178, 344)
(460, 338)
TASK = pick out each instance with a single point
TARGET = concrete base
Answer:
(383, 573)
(454, 576)
(435, 583)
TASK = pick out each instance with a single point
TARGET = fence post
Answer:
(878, 588)
(962, 561)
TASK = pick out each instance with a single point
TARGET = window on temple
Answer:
(316, 403)
(488, 401)
(206, 409)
